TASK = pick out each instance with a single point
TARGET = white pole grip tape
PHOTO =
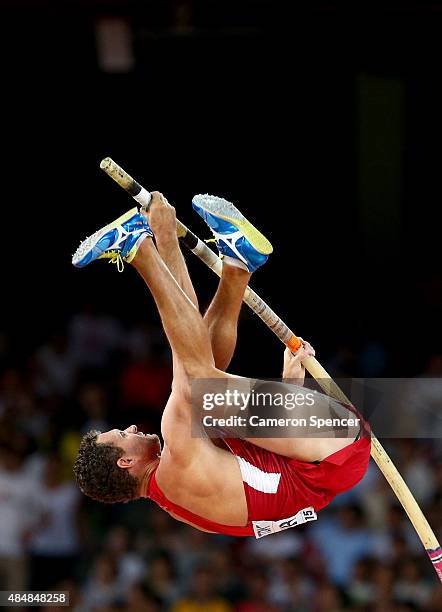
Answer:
(143, 198)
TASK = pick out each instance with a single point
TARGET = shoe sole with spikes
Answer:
(226, 210)
(87, 246)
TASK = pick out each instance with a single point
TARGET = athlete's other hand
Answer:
(161, 217)
(293, 367)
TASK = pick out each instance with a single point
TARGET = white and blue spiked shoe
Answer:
(234, 235)
(118, 241)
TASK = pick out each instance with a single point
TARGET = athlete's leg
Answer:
(305, 449)
(222, 314)
(223, 219)
(221, 319)
(244, 249)
(129, 239)
(162, 220)
(308, 443)
(185, 329)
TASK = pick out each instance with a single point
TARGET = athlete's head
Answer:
(110, 465)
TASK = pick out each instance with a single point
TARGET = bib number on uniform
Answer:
(265, 528)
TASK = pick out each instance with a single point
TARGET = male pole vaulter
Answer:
(247, 486)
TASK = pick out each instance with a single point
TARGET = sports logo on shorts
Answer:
(263, 531)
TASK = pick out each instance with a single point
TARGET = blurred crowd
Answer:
(94, 373)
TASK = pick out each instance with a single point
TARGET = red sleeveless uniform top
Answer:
(277, 487)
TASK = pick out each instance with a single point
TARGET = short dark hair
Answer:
(98, 475)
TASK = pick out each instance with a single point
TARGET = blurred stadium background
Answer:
(324, 124)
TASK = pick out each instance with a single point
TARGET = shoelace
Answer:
(118, 260)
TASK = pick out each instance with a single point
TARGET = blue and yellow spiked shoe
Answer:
(118, 241)
(234, 235)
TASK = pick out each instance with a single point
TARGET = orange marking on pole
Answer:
(294, 343)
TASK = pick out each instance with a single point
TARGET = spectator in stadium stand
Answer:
(55, 542)
(202, 595)
(18, 508)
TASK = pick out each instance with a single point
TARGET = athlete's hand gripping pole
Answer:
(285, 334)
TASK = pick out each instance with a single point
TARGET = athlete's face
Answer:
(137, 446)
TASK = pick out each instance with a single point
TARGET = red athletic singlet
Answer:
(280, 492)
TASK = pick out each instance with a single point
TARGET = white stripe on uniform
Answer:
(257, 479)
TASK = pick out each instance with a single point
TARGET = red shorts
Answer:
(338, 472)
(277, 487)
